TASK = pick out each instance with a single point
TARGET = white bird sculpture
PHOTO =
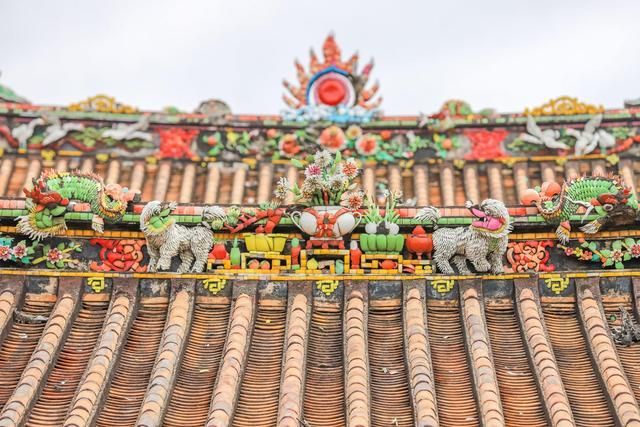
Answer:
(126, 132)
(23, 132)
(548, 137)
(56, 131)
(591, 137)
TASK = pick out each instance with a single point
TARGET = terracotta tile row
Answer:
(21, 341)
(189, 404)
(258, 398)
(234, 358)
(291, 390)
(550, 383)
(606, 359)
(419, 360)
(324, 386)
(391, 402)
(131, 376)
(96, 376)
(62, 383)
(454, 385)
(481, 359)
(399, 368)
(356, 364)
(586, 396)
(7, 306)
(521, 402)
(36, 370)
(169, 356)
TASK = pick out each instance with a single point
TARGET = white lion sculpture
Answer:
(483, 243)
(166, 239)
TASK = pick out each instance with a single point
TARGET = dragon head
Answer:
(547, 198)
(492, 218)
(155, 217)
(619, 209)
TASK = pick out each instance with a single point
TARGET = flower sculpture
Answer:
(329, 189)
(333, 139)
(367, 145)
(288, 145)
(328, 182)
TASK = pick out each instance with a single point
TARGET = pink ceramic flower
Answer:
(333, 139)
(54, 255)
(350, 168)
(313, 170)
(5, 253)
(288, 145)
(19, 251)
(367, 145)
(617, 256)
(352, 199)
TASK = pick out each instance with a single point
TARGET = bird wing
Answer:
(533, 128)
(593, 124)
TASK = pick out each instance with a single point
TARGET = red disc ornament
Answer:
(331, 92)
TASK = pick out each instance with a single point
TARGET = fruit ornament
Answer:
(419, 242)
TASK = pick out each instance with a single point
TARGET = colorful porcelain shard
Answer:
(483, 243)
(119, 255)
(608, 198)
(333, 86)
(102, 104)
(53, 194)
(564, 106)
(530, 256)
(166, 239)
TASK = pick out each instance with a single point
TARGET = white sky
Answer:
(151, 54)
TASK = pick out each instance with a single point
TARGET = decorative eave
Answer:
(248, 120)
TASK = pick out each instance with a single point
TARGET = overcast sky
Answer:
(151, 54)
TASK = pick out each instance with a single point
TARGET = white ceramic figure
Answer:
(23, 132)
(166, 239)
(591, 137)
(547, 137)
(483, 243)
(56, 130)
(127, 132)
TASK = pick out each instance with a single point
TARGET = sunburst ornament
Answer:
(333, 82)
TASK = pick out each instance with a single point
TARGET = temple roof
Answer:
(346, 324)
(163, 351)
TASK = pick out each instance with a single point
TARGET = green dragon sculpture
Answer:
(608, 197)
(54, 192)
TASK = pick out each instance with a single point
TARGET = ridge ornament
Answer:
(483, 243)
(55, 192)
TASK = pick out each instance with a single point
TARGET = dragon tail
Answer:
(30, 226)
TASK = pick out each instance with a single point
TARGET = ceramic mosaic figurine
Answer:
(607, 198)
(54, 192)
(483, 243)
(166, 239)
